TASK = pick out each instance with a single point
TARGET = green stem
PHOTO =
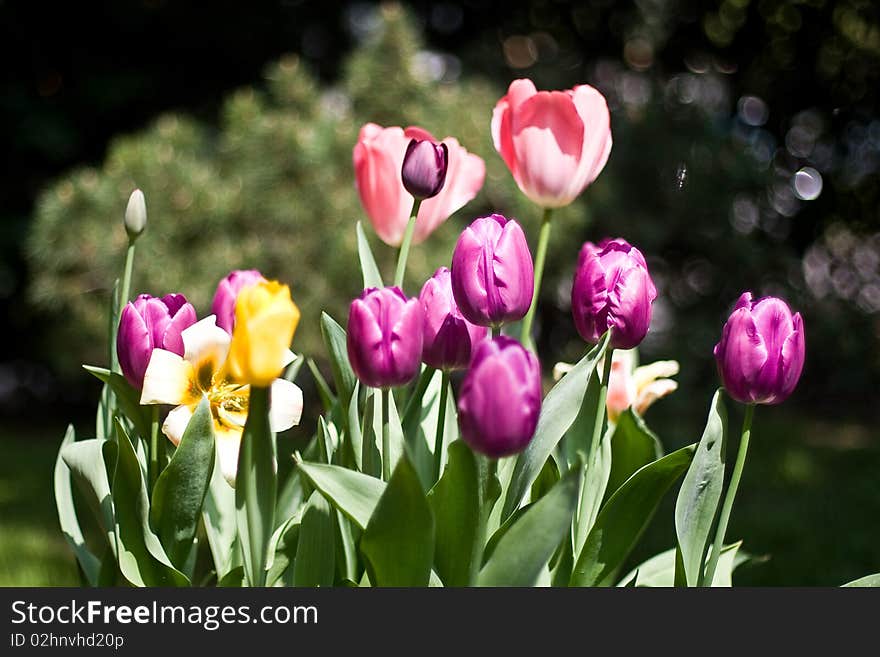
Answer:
(540, 258)
(404, 246)
(256, 487)
(413, 407)
(731, 495)
(494, 331)
(598, 425)
(154, 446)
(487, 468)
(441, 424)
(386, 435)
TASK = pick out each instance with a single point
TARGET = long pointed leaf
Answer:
(353, 493)
(398, 542)
(180, 490)
(697, 505)
(522, 554)
(558, 411)
(625, 516)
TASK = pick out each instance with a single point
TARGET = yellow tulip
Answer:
(265, 321)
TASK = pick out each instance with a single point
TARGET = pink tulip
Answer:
(555, 143)
(378, 160)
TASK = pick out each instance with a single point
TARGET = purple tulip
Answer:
(149, 323)
(424, 168)
(448, 336)
(493, 278)
(761, 352)
(385, 337)
(223, 305)
(612, 289)
(500, 398)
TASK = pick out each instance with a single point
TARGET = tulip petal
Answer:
(176, 422)
(169, 380)
(593, 109)
(793, 353)
(206, 346)
(378, 158)
(228, 441)
(652, 392)
(286, 405)
(502, 131)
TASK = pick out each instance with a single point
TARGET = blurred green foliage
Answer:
(272, 188)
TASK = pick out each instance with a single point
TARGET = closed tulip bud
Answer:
(612, 290)
(555, 143)
(385, 337)
(424, 168)
(493, 278)
(149, 323)
(500, 398)
(135, 215)
(761, 352)
(448, 337)
(223, 305)
(265, 321)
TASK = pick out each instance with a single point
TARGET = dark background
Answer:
(77, 74)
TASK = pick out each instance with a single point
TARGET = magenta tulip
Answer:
(424, 168)
(493, 278)
(761, 353)
(223, 305)
(149, 323)
(385, 337)
(613, 290)
(500, 398)
(448, 337)
(378, 161)
(555, 143)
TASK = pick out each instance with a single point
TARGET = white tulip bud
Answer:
(135, 215)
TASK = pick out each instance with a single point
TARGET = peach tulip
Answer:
(378, 159)
(555, 143)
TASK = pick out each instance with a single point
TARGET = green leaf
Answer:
(865, 582)
(86, 462)
(233, 579)
(142, 560)
(89, 563)
(218, 514)
(316, 549)
(398, 542)
(282, 549)
(256, 487)
(659, 570)
(355, 437)
(324, 393)
(372, 277)
(625, 516)
(180, 490)
(559, 410)
(522, 554)
(592, 492)
(353, 493)
(395, 434)
(337, 348)
(347, 564)
(128, 399)
(697, 505)
(633, 445)
(455, 502)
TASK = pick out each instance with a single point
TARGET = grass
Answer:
(808, 505)
(32, 549)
